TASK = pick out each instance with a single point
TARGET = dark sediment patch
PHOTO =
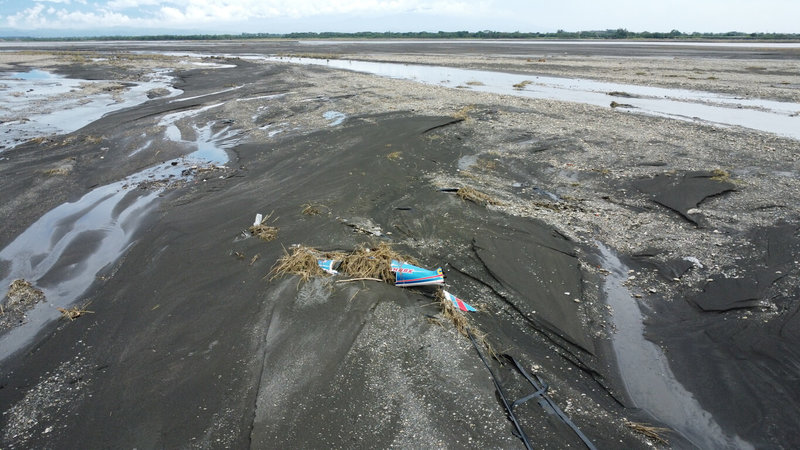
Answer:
(543, 279)
(191, 346)
(668, 268)
(739, 337)
(682, 192)
(776, 250)
(183, 327)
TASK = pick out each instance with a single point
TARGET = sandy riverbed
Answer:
(596, 208)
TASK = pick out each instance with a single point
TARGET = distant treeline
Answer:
(619, 33)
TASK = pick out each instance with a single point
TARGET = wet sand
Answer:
(644, 267)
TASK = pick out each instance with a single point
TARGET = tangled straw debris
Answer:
(376, 262)
(655, 433)
(74, 312)
(476, 196)
(302, 261)
(263, 231)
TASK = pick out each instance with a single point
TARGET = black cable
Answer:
(541, 391)
(509, 410)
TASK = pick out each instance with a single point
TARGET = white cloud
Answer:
(402, 15)
(197, 13)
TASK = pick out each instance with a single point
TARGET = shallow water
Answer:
(764, 115)
(334, 117)
(645, 370)
(39, 103)
(64, 251)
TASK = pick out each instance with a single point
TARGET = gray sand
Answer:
(189, 343)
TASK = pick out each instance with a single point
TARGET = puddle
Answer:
(39, 103)
(645, 370)
(64, 251)
(35, 74)
(68, 247)
(334, 118)
(467, 161)
(764, 115)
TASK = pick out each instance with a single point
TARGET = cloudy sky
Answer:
(90, 17)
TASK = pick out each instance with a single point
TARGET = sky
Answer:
(54, 18)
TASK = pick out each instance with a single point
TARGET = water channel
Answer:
(782, 118)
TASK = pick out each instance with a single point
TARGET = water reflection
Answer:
(764, 115)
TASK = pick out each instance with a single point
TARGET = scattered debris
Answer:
(303, 262)
(458, 319)
(394, 156)
(328, 265)
(457, 302)
(622, 94)
(411, 275)
(21, 293)
(263, 231)
(621, 105)
(311, 209)
(359, 279)
(255, 258)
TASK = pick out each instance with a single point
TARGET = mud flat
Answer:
(644, 267)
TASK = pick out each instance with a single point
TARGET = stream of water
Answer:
(645, 370)
(40, 103)
(782, 118)
(64, 251)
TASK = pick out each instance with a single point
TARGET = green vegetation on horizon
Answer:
(619, 33)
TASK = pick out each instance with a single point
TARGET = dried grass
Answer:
(461, 323)
(58, 171)
(720, 175)
(394, 156)
(476, 196)
(522, 84)
(302, 261)
(655, 433)
(74, 312)
(365, 262)
(451, 313)
(463, 113)
(263, 231)
(311, 209)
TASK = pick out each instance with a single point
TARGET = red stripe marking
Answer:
(420, 279)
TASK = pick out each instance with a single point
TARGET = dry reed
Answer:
(655, 433)
(365, 262)
(302, 261)
(476, 196)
